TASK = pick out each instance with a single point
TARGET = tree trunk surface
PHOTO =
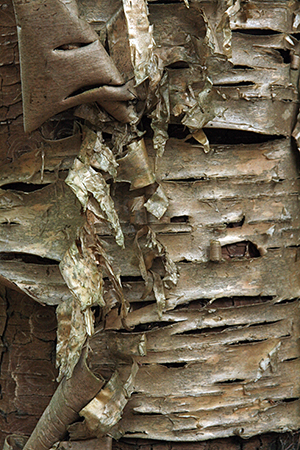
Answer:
(217, 352)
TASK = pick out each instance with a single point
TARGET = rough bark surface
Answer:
(218, 352)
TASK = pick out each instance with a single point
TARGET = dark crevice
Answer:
(23, 187)
(285, 54)
(185, 261)
(236, 380)
(178, 131)
(179, 219)
(188, 180)
(240, 301)
(173, 364)
(150, 326)
(131, 279)
(238, 84)
(295, 152)
(256, 32)
(243, 249)
(225, 136)
(106, 43)
(289, 400)
(224, 302)
(145, 126)
(82, 90)
(27, 258)
(178, 65)
(291, 359)
(242, 67)
(245, 341)
(266, 322)
(9, 224)
(72, 46)
(237, 224)
(288, 300)
(208, 330)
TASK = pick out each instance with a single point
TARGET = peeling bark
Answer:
(214, 334)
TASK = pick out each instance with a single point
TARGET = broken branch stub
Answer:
(66, 66)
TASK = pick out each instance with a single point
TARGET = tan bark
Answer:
(217, 348)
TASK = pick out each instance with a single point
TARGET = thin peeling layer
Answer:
(159, 292)
(158, 203)
(141, 40)
(172, 275)
(148, 66)
(135, 166)
(161, 116)
(85, 181)
(105, 410)
(83, 277)
(200, 137)
(201, 112)
(71, 336)
(103, 158)
(153, 280)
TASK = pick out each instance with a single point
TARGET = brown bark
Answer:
(218, 355)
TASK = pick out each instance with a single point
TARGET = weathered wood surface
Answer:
(36, 216)
(211, 371)
(223, 359)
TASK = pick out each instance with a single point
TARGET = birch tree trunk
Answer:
(153, 204)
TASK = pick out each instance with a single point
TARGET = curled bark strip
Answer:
(66, 66)
(70, 397)
(158, 203)
(14, 442)
(135, 166)
(104, 412)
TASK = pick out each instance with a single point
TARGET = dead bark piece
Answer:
(71, 336)
(135, 167)
(104, 412)
(140, 40)
(158, 203)
(83, 276)
(70, 397)
(87, 182)
(78, 69)
(14, 442)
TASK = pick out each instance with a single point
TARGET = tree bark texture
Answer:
(218, 350)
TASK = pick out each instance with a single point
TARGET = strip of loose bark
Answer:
(70, 397)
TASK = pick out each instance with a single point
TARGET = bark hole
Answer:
(23, 187)
(244, 249)
(27, 258)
